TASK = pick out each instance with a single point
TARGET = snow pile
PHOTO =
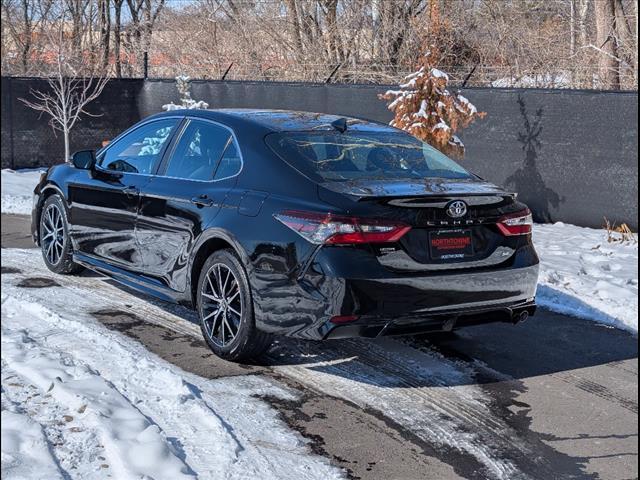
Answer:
(81, 401)
(17, 189)
(545, 80)
(583, 275)
(439, 74)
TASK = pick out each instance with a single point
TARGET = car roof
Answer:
(281, 120)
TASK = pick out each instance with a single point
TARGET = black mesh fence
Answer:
(28, 139)
(580, 167)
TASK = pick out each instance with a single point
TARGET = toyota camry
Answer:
(290, 223)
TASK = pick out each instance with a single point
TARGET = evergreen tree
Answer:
(425, 108)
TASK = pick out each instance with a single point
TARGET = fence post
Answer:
(10, 112)
(226, 71)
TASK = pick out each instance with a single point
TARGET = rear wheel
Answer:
(55, 243)
(226, 309)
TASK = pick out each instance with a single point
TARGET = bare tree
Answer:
(104, 6)
(117, 35)
(528, 43)
(144, 14)
(25, 19)
(77, 10)
(75, 85)
(294, 25)
(637, 46)
(607, 43)
(625, 37)
(582, 10)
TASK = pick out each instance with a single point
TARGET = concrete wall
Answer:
(571, 155)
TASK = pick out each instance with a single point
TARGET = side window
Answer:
(231, 162)
(138, 151)
(198, 151)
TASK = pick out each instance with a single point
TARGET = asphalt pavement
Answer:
(15, 231)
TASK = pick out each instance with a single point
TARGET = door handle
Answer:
(202, 201)
(130, 191)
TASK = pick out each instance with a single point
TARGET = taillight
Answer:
(326, 228)
(338, 319)
(518, 223)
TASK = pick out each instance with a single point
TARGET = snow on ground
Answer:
(25, 451)
(17, 189)
(81, 401)
(581, 274)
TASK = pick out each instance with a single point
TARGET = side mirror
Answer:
(84, 159)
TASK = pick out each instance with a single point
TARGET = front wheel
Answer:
(225, 307)
(54, 237)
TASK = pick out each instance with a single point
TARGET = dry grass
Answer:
(619, 233)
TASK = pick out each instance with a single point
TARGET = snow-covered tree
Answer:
(428, 110)
(183, 84)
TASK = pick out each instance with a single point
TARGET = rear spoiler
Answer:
(370, 190)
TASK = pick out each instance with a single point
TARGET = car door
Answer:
(191, 186)
(104, 203)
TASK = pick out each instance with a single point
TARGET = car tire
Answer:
(225, 308)
(55, 242)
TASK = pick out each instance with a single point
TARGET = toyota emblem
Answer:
(457, 209)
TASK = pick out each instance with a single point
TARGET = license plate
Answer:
(450, 244)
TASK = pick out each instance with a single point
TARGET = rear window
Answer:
(336, 156)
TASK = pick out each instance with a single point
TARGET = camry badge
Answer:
(457, 209)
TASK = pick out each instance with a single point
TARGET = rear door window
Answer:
(231, 162)
(198, 152)
(140, 150)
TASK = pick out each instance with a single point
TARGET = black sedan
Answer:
(301, 224)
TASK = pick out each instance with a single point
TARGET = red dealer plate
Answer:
(449, 244)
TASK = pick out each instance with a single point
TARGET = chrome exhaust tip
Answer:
(520, 317)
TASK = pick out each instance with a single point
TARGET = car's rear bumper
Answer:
(443, 321)
(372, 301)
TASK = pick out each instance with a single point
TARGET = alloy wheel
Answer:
(53, 237)
(221, 304)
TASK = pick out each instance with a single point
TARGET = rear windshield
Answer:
(336, 156)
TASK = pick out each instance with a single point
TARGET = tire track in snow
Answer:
(127, 435)
(38, 454)
(425, 394)
(74, 444)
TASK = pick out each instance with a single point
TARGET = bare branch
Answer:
(70, 90)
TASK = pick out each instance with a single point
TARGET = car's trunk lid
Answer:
(436, 241)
